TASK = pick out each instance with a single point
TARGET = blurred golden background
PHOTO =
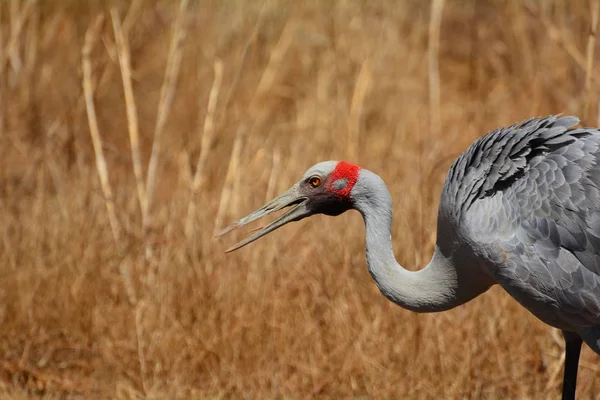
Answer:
(131, 131)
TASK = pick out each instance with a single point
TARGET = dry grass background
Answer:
(111, 284)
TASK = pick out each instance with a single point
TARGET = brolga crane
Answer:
(520, 208)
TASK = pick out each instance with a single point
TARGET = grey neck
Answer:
(434, 288)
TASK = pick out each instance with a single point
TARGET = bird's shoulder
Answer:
(535, 183)
(544, 149)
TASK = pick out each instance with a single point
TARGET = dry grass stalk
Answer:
(363, 83)
(135, 9)
(555, 34)
(256, 112)
(90, 39)
(3, 52)
(562, 38)
(523, 41)
(30, 51)
(275, 59)
(244, 54)
(433, 75)
(132, 120)
(17, 20)
(206, 142)
(139, 311)
(167, 92)
(271, 187)
(589, 65)
(556, 374)
(229, 183)
(433, 50)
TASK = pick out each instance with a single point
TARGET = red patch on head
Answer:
(344, 170)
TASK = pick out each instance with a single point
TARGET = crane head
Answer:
(324, 189)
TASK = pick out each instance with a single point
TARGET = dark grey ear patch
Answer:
(340, 184)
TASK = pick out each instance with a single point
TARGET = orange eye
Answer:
(315, 181)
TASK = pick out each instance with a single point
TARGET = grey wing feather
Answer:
(529, 196)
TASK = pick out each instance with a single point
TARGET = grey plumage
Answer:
(529, 198)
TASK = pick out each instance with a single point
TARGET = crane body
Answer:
(520, 208)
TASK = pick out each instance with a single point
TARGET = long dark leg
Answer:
(572, 349)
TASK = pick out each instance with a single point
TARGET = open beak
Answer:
(287, 199)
